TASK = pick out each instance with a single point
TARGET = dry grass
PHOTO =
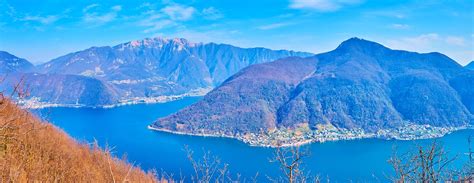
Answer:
(32, 150)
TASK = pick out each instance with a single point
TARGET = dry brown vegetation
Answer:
(32, 150)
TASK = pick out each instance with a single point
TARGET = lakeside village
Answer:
(303, 135)
(285, 137)
(37, 103)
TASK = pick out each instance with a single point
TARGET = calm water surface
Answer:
(125, 129)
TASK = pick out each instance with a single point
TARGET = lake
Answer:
(125, 129)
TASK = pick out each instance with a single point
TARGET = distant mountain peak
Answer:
(359, 43)
(158, 42)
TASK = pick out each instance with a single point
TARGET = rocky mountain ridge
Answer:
(148, 70)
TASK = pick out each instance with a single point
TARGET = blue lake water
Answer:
(125, 129)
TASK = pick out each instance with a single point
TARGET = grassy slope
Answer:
(34, 150)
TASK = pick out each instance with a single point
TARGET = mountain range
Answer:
(145, 70)
(362, 87)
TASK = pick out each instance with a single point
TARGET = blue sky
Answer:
(42, 30)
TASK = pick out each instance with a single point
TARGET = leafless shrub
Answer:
(20, 89)
(290, 160)
(208, 168)
(424, 164)
(467, 174)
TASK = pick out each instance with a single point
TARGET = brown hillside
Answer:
(32, 150)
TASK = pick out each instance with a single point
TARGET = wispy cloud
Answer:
(87, 8)
(390, 13)
(42, 19)
(400, 26)
(455, 41)
(426, 41)
(322, 5)
(39, 21)
(212, 13)
(95, 18)
(145, 5)
(179, 12)
(172, 15)
(158, 25)
(454, 46)
(421, 42)
(117, 8)
(153, 21)
(273, 26)
(10, 10)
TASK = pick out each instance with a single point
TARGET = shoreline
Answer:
(310, 141)
(53, 105)
(35, 104)
(212, 136)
